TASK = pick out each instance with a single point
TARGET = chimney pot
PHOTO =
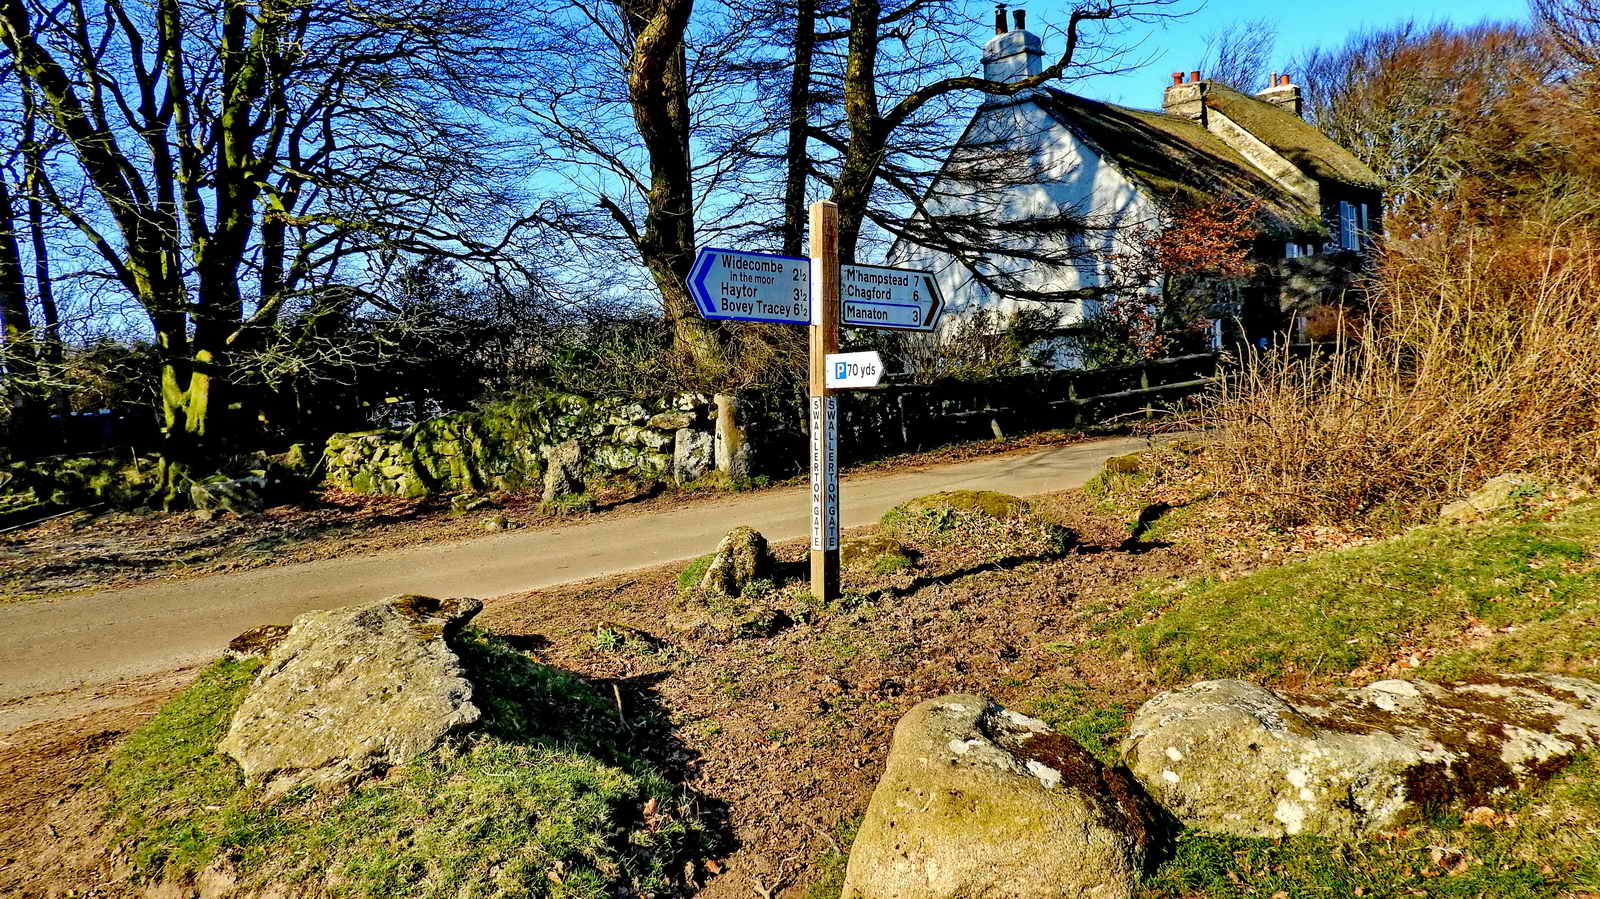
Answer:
(1195, 75)
(999, 18)
(1177, 78)
(1274, 81)
(1019, 19)
(1286, 82)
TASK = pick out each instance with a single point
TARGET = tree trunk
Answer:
(853, 189)
(797, 162)
(52, 351)
(16, 332)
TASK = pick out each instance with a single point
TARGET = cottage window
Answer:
(1348, 231)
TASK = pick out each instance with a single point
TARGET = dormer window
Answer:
(1353, 226)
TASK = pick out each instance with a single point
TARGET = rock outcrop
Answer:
(354, 691)
(1496, 493)
(1231, 757)
(741, 557)
(977, 800)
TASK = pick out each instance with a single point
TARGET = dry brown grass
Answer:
(1482, 357)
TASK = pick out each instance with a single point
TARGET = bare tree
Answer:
(1412, 101)
(239, 157)
(883, 102)
(1239, 53)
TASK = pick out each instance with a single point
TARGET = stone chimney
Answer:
(1283, 94)
(1186, 98)
(1012, 54)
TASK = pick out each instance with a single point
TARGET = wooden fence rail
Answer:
(909, 417)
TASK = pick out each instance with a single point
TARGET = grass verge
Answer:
(538, 800)
(1334, 612)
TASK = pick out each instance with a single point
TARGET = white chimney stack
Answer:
(1012, 54)
(1284, 94)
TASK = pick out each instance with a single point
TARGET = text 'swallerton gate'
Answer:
(876, 297)
(734, 285)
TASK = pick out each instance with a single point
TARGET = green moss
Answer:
(1003, 524)
(1332, 612)
(692, 574)
(875, 554)
(998, 506)
(540, 799)
(570, 503)
(1131, 463)
(890, 562)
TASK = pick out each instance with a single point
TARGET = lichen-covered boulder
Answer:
(1496, 493)
(1129, 463)
(351, 692)
(1232, 757)
(741, 557)
(977, 800)
(241, 496)
(870, 551)
(563, 472)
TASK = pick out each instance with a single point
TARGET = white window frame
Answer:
(1348, 236)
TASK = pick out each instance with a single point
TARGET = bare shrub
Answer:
(1483, 358)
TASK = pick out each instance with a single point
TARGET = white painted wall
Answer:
(1072, 175)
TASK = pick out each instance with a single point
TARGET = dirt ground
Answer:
(86, 551)
(781, 737)
(790, 732)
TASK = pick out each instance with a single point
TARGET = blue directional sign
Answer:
(734, 285)
(872, 296)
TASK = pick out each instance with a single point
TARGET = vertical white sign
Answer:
(831, 508)
(824, 478)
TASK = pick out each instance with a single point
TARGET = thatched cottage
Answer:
(1121, 168)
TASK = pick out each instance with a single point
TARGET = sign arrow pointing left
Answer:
(733, 285)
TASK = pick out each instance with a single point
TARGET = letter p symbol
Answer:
(839, 370)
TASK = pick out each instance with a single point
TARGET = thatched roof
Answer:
(1177, 160)
(1292, 137)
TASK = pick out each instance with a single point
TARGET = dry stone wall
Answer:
(505, 446)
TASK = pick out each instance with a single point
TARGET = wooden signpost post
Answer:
(824, 405)
(735, 285)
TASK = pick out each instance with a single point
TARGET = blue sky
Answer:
(1302, 24)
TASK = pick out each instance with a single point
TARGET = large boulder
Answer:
(977, 800)
(1232, 757)
(741, 557)
(354, 691)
